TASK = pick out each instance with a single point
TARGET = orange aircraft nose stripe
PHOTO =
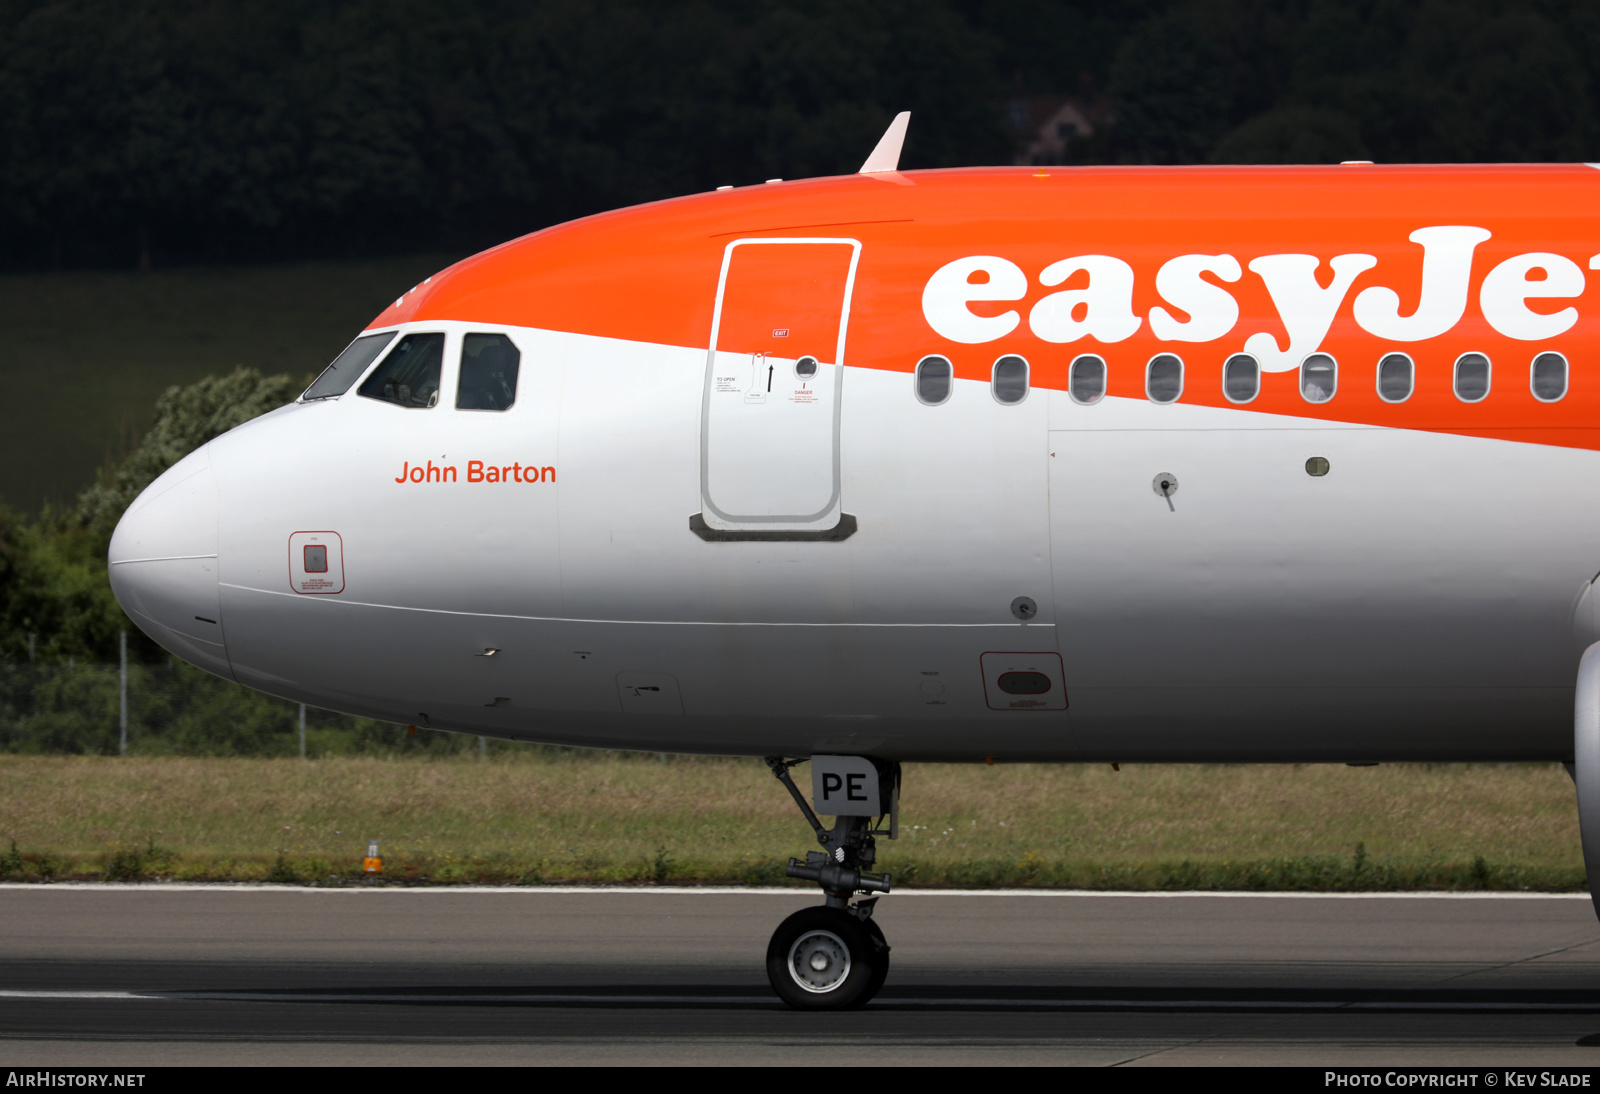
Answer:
(1434, 262)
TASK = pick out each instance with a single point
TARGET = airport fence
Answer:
(173, 709)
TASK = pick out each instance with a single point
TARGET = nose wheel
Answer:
(834, 957)
(827, 959)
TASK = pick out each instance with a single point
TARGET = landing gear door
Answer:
(769, 427)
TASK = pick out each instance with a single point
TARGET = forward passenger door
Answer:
(769, 430)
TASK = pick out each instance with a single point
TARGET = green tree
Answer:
(55, 598)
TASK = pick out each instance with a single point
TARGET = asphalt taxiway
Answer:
(161, 975)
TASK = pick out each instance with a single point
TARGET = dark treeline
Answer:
(276, 128)
(1440, 81)
(186, 130)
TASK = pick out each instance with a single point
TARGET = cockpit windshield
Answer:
(489, 365)
(348, 366)
(409, 376)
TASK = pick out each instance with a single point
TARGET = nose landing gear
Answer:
(835, 957)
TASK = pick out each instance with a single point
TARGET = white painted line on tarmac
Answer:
(577, 999)
(1245, 894)
(70, 995)
(570, 998)
(742, 890)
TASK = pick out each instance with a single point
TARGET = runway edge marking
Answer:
(579, 999)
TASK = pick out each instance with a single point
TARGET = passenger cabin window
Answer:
(1396, 377)
(1549, 377)
(348, 366)
(1241, 378)
(1163, 378)
(1472, 377)
(1010, 380)
(489, 364)
(409, 376)
(1087, 380)
(933, 380)
(1319, 378)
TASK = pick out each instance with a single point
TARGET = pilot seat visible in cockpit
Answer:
(489, 364)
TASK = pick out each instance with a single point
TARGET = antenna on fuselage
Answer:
(886, 157)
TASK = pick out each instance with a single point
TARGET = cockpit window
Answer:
(489, 365)
(348, 366)
(409, 376)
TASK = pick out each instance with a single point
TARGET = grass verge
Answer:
(547, 816)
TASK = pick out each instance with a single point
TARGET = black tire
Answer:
(824, 959)
(880, 964)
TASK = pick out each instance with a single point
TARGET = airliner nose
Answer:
(163, 563)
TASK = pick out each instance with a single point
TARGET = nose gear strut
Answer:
(835, 957)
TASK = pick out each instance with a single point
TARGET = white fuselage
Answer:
(1424, 599)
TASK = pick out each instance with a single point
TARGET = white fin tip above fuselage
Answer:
(886, 156)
